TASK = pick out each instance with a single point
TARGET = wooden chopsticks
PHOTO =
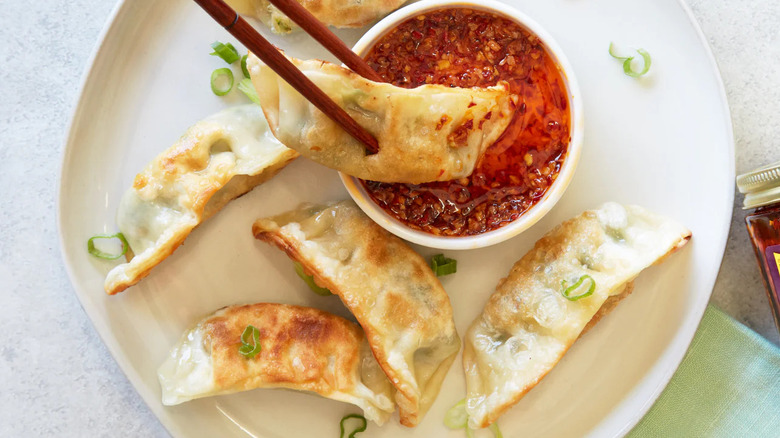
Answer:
(242, 31)
(314, 27)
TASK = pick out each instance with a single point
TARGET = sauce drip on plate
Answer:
(462, 47)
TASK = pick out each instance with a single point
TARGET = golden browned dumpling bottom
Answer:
(300, 348)
(338, 13)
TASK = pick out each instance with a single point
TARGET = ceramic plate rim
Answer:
(133, 376)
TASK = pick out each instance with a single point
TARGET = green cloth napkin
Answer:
(728, 385)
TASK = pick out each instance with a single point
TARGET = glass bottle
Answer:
(762, 195)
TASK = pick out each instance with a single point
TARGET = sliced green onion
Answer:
(104, 255)
(280, 24)
(243, 66)
(247, 349)
(613, 54)
(627, 69)
(227, 52)
(645, 58)
(225, 76)
(442, 266)
(309, 279)
(456, 417)
(358, 429)
(246, 87)
(496, 431)
(567, 292)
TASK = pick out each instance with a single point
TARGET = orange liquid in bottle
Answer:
(764, 228)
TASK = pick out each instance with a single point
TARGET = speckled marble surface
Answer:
(57, 377)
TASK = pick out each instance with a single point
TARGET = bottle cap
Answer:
(761, 186)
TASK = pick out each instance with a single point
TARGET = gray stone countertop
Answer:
(57, 377)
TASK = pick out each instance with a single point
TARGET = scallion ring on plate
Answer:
(245, 86)
(221, 81)
(627, 69)
(227, 52)
(357, 430)
(244, 69)
(250, 349)
(567, 292)
(457, 418)
(443, 266)
(647, 60)
(309, 280)
(615, 55)
(104, 255)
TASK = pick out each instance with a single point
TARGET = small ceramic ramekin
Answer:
(553, 194)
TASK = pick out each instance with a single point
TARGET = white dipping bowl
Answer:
(554, 192)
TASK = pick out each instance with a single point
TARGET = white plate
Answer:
(663, 142)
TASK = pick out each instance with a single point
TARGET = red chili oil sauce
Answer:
(462, 47)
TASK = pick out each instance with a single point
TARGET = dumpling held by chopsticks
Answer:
(429, 133)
